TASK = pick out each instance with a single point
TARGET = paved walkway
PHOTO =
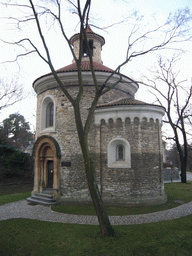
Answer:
(22, 209)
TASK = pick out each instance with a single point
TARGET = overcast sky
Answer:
(104, 13)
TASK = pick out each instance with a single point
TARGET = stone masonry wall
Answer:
(143, 182)
(72, 178)
(139, 184)
(96, 51)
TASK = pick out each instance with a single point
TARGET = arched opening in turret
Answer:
(87, 47)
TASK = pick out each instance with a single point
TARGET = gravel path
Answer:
(22, 209)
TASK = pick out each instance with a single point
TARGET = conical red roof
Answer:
(89, 30)
(86, 66)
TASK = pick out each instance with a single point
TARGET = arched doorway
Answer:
(47, 156)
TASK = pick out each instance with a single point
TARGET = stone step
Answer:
(45, 197)
(35, 201)
(47, 191)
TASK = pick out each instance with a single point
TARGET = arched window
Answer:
(91, 47)
(49, 114)
(85, 49)
(120, 152)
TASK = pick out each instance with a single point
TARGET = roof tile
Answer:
(125, 101)
(89, 30)
(86, 66)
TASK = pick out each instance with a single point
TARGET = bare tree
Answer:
(170, 31)
(10, 92)
(172, 93)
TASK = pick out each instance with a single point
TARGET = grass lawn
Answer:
(14, 197)
(31, 237)
(12, 186)
(14, 190)
(166, 238)
(177, 193)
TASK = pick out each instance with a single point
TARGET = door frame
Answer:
(40, 167)
(50, 173)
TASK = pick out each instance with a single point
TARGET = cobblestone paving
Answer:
(22, 209)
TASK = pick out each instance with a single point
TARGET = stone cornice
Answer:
(129, 111)
(71, 79)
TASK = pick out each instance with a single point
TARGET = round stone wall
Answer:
(140, 183)
(72, 176)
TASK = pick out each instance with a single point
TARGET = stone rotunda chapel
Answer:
(125, 138)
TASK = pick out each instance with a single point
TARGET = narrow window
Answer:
(120, 152)
(49, 114)
(91, 47)
(85, 50)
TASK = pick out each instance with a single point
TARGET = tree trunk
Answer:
(183, 172)
(105, 225)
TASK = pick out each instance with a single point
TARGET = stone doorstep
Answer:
(32, 201)
(44, 195)
(45, 198)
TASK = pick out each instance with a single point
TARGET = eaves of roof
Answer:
(126, 101)
(85, 67)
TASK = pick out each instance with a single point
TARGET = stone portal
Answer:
(47, 162)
